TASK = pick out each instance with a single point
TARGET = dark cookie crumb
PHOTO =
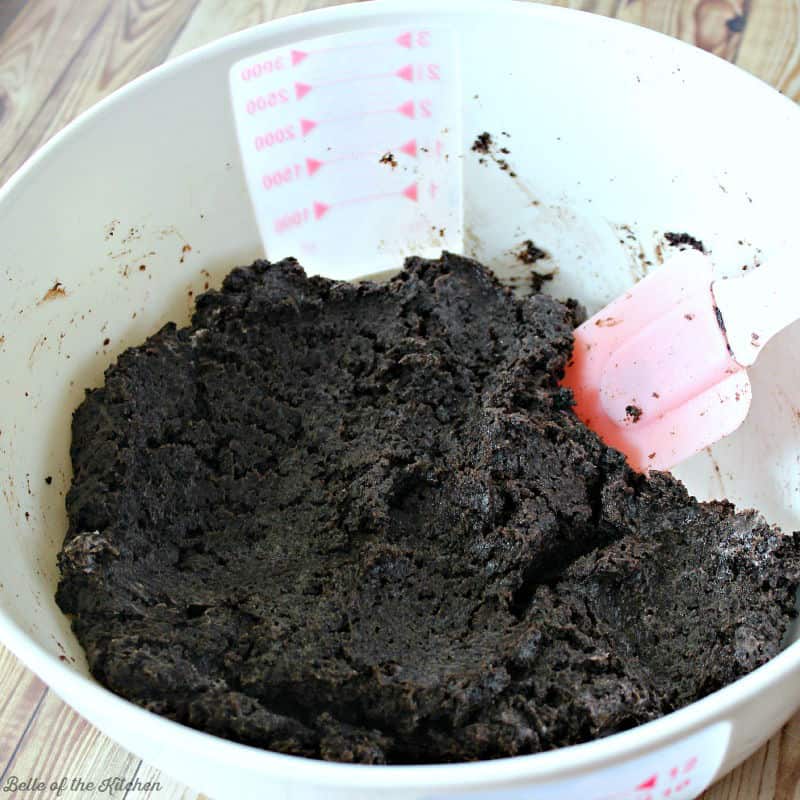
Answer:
(529, 253)
(482, 143)
(539, 279)
(360, 522)
(633, 412)
(679, 239)
(485, 144)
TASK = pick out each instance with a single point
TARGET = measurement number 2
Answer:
(278, 136)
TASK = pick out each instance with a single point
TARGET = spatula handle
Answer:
(756, 306)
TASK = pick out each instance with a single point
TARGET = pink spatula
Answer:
(659, 374)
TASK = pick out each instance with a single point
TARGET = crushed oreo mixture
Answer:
(360, 522)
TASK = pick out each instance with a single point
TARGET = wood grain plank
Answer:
(130, 37)
(770, 46)
(12, 672)
(60, 745)
(20, 692)
(8, 12)
(30, 718)
(714, 25)
(54, 733)
(787, 783)
(36, 48)
(753, 780)
(212, 19)
(94, 759)
(215, 18)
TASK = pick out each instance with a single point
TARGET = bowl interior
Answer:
(616, 136)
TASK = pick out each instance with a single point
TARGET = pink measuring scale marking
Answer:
(649, 776)
(674, 782)
(410, 192)
(404, 73)
(313, 165)
(365, 132)
(403, 40)
(407, 109)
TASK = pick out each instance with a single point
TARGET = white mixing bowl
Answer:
(617, 135)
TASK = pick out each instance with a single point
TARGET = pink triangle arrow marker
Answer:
(411, 192)
(298, 56)
(320, 209)
(306, 126)
(410, 148)
(406, 73)
(407, 109)
(301, 90)
(404, 40)
(312, 165)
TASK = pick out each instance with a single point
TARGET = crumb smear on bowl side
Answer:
(360, 522)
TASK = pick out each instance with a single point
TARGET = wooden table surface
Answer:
(57, 58)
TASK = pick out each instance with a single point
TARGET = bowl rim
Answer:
(546, 766)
